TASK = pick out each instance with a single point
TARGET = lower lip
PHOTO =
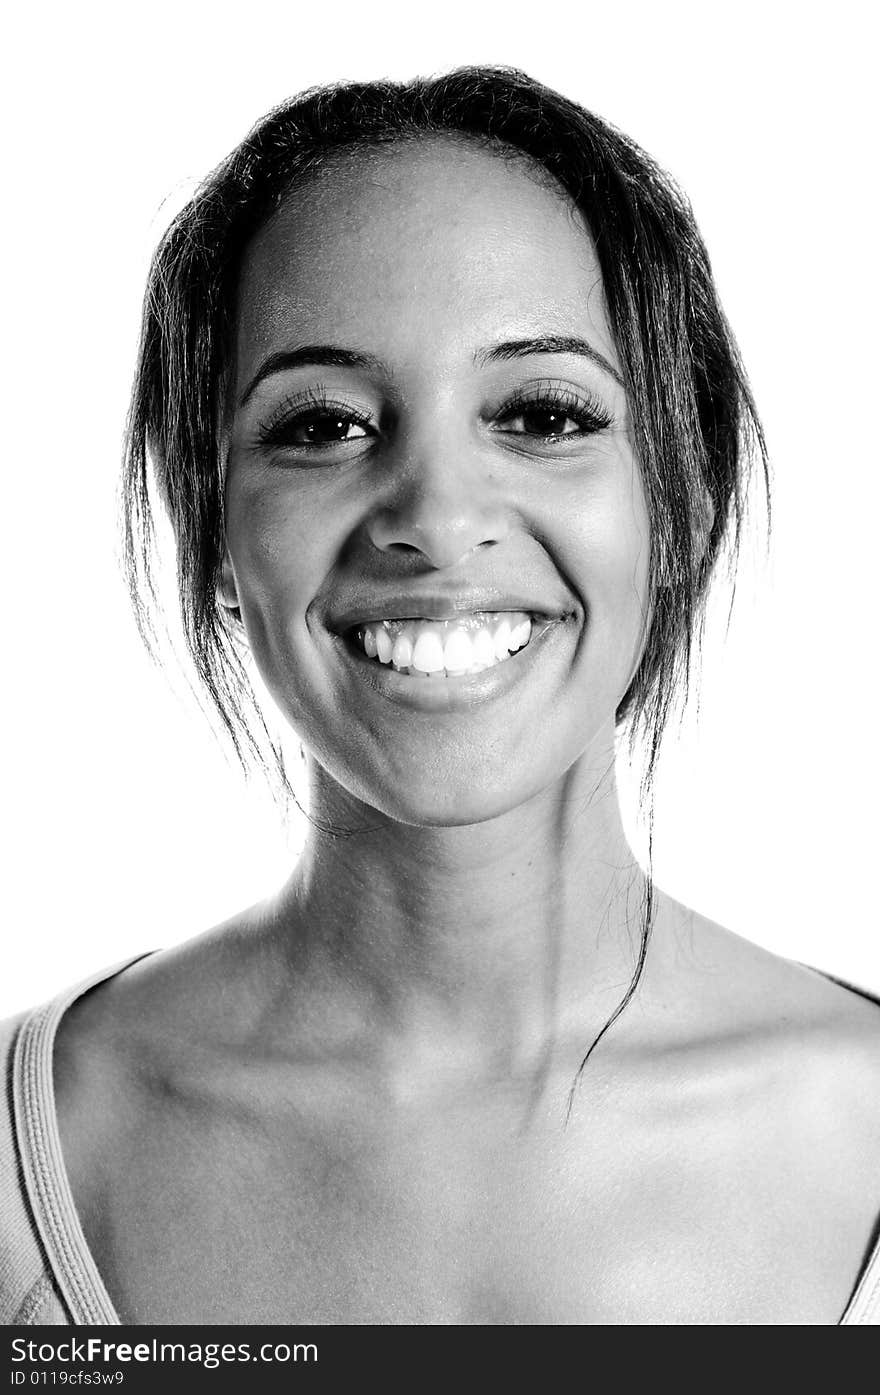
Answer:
(433, 693)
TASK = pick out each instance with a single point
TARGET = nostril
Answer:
(440, 548)
(443, 526)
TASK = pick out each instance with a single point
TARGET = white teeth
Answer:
(401, 654)
(457, 651)
(427, 655)
(467, 644)
(501, 639)
(484, 649)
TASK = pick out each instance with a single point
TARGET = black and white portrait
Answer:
(440, 759)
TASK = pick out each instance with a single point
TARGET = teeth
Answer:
(458, 652)
(427, 655)
(401, 654)
(467, 644)
(483, 648)
(501, 638)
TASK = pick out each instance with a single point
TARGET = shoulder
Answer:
(742, 985)
(34, 1205)
(763, 1078)
(145, 1042)
(781, 1035)
(159, 1012)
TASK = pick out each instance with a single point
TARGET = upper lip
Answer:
(437, 605)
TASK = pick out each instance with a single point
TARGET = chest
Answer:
(222, 1219)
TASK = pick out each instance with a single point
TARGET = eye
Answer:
(312, 423)
(319, 429)
(553, 414)
(538, 420)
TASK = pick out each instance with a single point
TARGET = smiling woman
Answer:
(451, 430)
(446, 493)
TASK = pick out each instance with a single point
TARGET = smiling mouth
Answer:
(467, 643)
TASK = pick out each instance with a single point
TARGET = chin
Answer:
(455, 809)
(449, 782)
(451, 801)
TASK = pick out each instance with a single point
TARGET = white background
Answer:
(125, 829)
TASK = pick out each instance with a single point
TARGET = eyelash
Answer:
(306, 407)
(586, 411)
(313, 406)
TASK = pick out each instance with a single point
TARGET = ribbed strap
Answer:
(45, 1177)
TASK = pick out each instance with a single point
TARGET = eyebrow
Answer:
(323, 355)
(331, 356)
(548, 344)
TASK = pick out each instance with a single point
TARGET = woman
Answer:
(451, 431)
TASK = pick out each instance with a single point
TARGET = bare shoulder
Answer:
(810, 1040)
(144, 1037)
(164, 1000)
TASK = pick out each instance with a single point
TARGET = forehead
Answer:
(420, 244)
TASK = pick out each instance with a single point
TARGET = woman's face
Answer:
(436, 528)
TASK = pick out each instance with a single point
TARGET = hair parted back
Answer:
(695, 426)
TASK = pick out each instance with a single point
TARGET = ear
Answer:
(227, 591)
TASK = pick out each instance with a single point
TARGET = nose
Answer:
(442, 504)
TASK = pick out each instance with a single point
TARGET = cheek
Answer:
(279, 557)
(617, 540)
(605, 548)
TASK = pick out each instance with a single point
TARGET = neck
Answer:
(493, 936)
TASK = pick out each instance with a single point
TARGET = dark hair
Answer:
(694, 421)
